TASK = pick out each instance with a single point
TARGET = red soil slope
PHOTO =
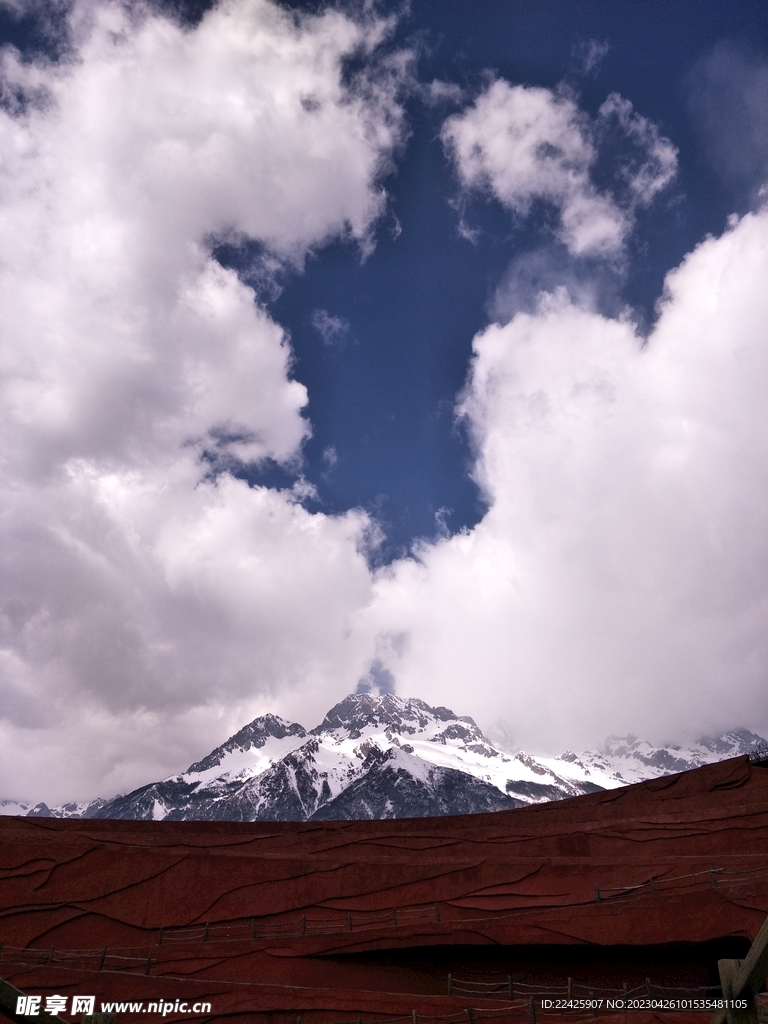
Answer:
(340, 920)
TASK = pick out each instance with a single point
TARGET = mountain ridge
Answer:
(384, 756)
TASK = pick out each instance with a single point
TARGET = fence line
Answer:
(519, 1009)
(96, 961)
(442, 914)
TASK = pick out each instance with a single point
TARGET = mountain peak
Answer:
(250, 737)
(732, 743)
(380, 755)
(361, 711)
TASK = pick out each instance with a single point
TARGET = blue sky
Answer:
(383, 396)
(341, 345)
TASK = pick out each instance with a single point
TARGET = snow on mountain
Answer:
(274, 770)
(399, 784)
(385, 756)
(626, 759)
(445, 740)
(70, 810)
(222, 785)
(10, 807)
(250, 751)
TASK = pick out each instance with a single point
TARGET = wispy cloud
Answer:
(332, 329)
(523, 145)
(589, 55)
(728, 100)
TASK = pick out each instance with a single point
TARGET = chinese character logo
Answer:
(83, 1004)
(28, 1006)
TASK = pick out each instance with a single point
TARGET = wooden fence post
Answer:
(749, 977)
(729, 970)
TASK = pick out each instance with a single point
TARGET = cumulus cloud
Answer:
(620, 577)
(139, 586)
(153, 602)
(524, 144)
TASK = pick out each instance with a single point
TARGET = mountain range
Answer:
(385, 757)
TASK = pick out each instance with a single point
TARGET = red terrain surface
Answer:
(377, 920)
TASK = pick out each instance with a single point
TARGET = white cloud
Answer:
(330, 456)
(524, 144)
(437, 92)
(135, 594)
(332, 329)
(649, 161)
(590, 55)
(619, 580)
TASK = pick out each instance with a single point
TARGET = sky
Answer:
(415, 348)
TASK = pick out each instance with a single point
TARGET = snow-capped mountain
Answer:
(626, 759)
(275, 770)
(383, 757)
(9, 807)
(397, 784)
(70, 810)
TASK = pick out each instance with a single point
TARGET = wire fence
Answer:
(522, 1002)
(194, 943)
(520, 1011)
(509, 988)
(489, 985)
